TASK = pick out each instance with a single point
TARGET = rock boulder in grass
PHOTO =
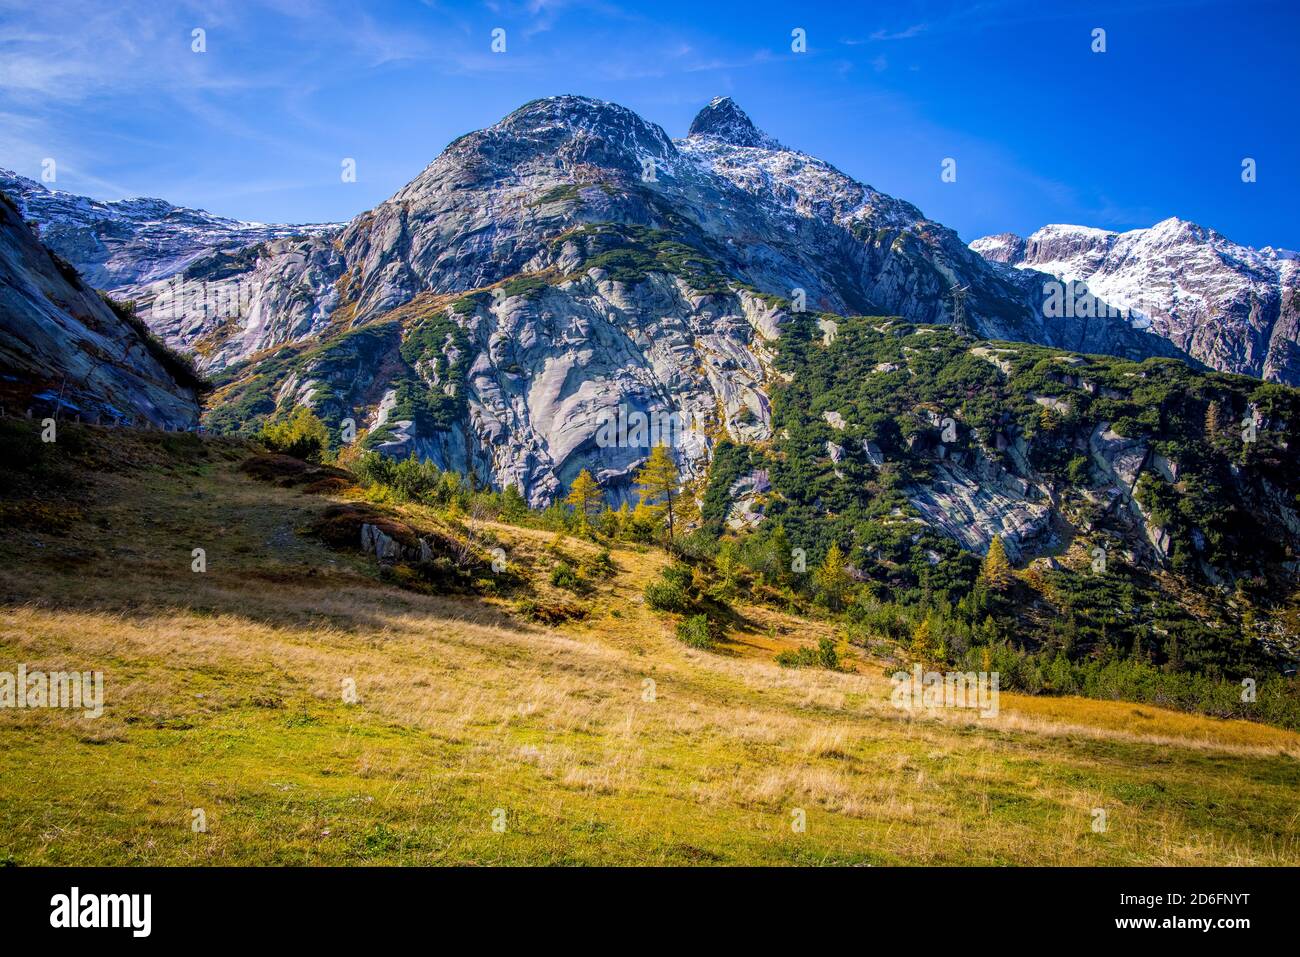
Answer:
(344, 526)
(386, 548)
(375, 531)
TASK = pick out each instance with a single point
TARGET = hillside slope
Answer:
(601, 740)
(63, 347)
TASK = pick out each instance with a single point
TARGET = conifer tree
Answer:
(659, 482)
(514, 507)
(832, 577)
(923, 646)
(777, 562)
(996, 570)
(585, 496)
(1215, 420)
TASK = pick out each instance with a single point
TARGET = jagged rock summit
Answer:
(726, 121)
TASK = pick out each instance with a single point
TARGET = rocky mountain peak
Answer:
(723, 119)
(1175, 229)
(567, 109)
(1001, 248)
(554, 119)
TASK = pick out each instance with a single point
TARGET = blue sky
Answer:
(1043, 129)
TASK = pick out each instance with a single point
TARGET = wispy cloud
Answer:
(915, 30)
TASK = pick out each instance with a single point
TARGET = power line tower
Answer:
(959, 326)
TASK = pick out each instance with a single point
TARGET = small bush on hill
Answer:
(301, 435)
(566, 576)
(665, 596)
(823, 656)
(552, 612)
(827, 656)
(601, 565)
(697, 632)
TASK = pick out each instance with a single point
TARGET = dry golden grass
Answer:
(603, 741)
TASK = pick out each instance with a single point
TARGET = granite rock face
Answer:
(63, 348)
(972, 510)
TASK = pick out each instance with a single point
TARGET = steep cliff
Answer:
(64, 347)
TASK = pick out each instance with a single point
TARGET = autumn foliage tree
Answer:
(659, 483)
(996, 570)
(832, 577)
(586, 497)
(300, 434)
(924, 646)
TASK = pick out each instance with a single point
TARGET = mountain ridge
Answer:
(1233, 307)
(116, 243)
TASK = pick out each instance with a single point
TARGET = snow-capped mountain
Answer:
(548, 282)
(570, 264)
(1235, 308)
(120, 243)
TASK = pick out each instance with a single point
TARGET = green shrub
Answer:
(799, 658)
(665, 596)
(680, 575)
(414, 480)
(565, 575)
(1077, 471)
(823, 656)
(827, 656)
(301, 435)
(374, 469)
(600, 566)
(697, 632)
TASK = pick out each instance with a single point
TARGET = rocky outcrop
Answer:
(747, 495)
(1120, 459)
(956, 503)
(64, 351)
(224, 307)
(602, 272)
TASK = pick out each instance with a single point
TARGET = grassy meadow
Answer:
(480, 737)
